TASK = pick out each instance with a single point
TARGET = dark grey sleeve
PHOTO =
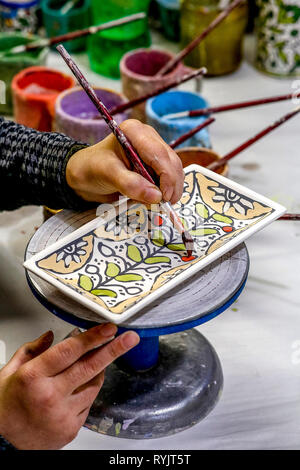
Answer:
(33, 168)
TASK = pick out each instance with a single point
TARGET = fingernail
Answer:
(130, 339)
(109, 329)
(152, 195)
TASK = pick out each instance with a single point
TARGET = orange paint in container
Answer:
(35, 90)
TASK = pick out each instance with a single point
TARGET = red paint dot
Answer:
(188, 258)
(158, 220)
(227, 229)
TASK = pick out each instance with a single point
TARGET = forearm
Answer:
(33, 167)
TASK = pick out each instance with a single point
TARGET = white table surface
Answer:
(258, 338)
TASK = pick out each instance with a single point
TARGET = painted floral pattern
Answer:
(278, 36)
(127, 264)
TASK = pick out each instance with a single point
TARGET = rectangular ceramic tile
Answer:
(129, 256)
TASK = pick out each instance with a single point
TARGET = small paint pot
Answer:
(77, 117)
(11, 64)
(138, 70)
(35, 91)
(56, 23)
(169, 11)
(171, 129)
(200, 156)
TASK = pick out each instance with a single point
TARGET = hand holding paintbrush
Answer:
(129, 150)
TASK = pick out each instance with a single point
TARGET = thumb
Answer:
(27, 352)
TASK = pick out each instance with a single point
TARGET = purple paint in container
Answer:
(77, 117)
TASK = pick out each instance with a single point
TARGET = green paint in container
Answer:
(11, 64)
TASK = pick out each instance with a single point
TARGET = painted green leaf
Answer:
(157, 259)
(184, 223)
(222, 218)
(104, 293)
(158, 238)
(112, 270)
(129, 277)
(177, 247)
(202, 210)
(203, 231)
(85, 282)
(134, 253)
(283, 56)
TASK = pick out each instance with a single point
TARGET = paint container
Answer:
(56, 23)
(169, 12)
(138, 70)
(200, 156)
(77, 117)
(35, 91)
(11, 64)
(19, 15)
(278, 37)
(106, 48)
(221, 51)
(171, 129)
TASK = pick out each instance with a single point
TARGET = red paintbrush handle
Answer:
(173, 62)
(190, 133)
(173, 84)
(243, 104)
(240, 148)
(127, 146)
(289, 217)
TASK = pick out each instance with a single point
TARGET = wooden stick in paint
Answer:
(47, 42)
(240, 148)
(289, 217)
(174, 143)
(230, 107)
(68, 6)
(173, 62)
(178, 81)
(130, 151)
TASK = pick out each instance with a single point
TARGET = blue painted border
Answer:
(143, 332)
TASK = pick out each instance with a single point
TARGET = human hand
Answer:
(46, 392)
(99, 173)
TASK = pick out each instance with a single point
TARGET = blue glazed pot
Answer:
(170, 129)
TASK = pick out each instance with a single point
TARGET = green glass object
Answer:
(11, 64)
(106, 48)
(221, 51)
(56, 23)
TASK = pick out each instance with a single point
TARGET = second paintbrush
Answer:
(131, 153)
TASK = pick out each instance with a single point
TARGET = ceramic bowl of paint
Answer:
(57, 23)
(11, 64)
(138, 70)
(200, 156)
(171, 129)
(35, 91)
(77, 117)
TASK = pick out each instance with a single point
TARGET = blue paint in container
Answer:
(169, 129)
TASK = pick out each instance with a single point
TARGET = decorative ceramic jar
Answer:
(278, 37)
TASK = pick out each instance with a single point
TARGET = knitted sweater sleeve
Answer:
(33, 168)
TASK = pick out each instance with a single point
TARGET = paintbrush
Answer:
(178, 81)
(128, 148)
(68, 6)
(240, 148)
(289, 217)
(48, 42)
(230, 107)
(174, 143)
(178, 58)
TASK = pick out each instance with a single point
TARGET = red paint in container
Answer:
(138, 73)
(35, 90)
